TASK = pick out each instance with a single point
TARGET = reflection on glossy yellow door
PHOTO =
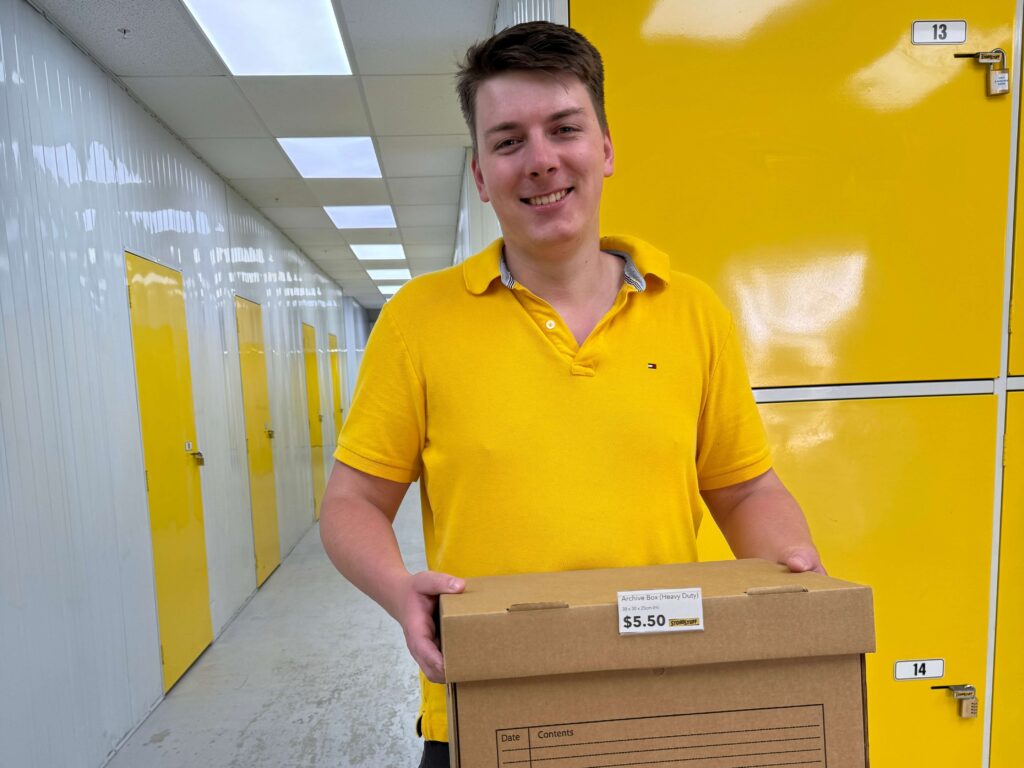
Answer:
(898, 493)
(1008, 689)
(172, 459)
(259, 432)
(811, 164)
(316, 440)
(336, 382)
(1017, 308)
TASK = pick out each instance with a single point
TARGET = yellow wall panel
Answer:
(898, 493)
(336, 382)
(258, 435)
(170, 451)
(316, 440)
(1008, 689)
(1017, 313)
(811, 164)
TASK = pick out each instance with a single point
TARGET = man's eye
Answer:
(567, 129)
(506, 143)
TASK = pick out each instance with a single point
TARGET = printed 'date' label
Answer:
(661, 610)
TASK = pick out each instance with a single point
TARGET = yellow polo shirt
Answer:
(538, 454)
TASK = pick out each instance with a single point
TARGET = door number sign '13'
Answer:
(920, 669)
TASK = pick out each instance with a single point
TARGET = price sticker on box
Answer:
(661, 610)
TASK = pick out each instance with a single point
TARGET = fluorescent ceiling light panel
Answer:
(388, 290)
(333, 157)
(389, 274)
(379, 252)
(361, 216)
(271, 37)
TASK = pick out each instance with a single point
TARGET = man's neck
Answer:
(579, 282)
(568, 273)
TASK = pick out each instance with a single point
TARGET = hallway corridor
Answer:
(310, 673)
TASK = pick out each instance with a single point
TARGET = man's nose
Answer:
(542, 158)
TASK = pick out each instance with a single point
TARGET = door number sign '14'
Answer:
(920, 669)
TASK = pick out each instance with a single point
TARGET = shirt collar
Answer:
(642, 261)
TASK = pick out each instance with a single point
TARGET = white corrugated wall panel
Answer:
(87, 174)
(80, 588)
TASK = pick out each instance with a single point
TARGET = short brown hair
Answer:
(538, 46)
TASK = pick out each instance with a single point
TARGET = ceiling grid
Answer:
(403, 57)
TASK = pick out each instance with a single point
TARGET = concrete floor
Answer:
(310, 673)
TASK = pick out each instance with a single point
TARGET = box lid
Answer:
(560, 623)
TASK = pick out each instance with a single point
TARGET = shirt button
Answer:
(550, 325)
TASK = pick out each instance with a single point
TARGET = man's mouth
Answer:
(554, 197)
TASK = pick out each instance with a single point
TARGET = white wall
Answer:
(86, 174)
(478, 225)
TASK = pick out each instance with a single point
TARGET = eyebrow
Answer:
(554, 118)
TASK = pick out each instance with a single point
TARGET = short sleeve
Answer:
(731, 443)
(384, 432)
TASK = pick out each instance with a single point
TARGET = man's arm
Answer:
(760, 518)
(356, 519)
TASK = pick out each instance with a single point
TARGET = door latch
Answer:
(198, 456)
(998, 74)
(965, 696)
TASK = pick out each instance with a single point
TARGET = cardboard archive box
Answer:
(540, 676)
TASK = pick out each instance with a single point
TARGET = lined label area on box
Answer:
(744, 738)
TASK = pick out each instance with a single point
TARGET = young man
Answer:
(567, 401)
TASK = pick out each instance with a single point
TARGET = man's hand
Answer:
(760, 518)
(416, 608)
(803, 559)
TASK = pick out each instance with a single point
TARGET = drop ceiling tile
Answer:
(423, 155)
(297, 218)
(423, 268)
(308, 106)
(337, 254)
(199, 107)
(426, 215)
(320, 236)
(372, 236)
(429, 235)
(428, 252)
(276, 192)
(434, 35)
(245, 158)
(349, 191)
(162, 38)
(433, 190)
(413, 105)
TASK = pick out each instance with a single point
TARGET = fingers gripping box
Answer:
(700, 665)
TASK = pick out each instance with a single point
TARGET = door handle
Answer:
(198, 456)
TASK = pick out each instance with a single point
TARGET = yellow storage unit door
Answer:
(172, 458)
(1008, 689)
(1017, 307)
(259, 432)
(336, 383)
(898, 493)
(842, 189)
(316, 440)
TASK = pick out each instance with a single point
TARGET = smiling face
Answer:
(541, 159)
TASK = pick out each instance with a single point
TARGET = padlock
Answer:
(998, 75)
(998, 83)
(969, 707)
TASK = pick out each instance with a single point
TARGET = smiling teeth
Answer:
(548, 199)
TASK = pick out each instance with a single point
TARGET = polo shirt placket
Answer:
(582, 358)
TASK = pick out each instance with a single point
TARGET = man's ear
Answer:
(609, 154)
(478, 177)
